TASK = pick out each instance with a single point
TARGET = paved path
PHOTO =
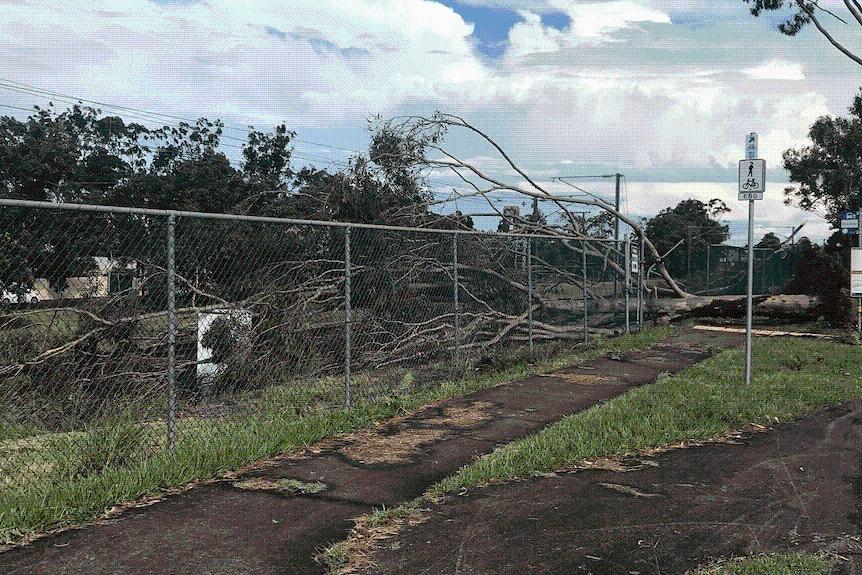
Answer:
(220, 529)
(798, 487)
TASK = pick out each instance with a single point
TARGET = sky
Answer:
(663, 91)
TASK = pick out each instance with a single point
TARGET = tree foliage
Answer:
(798, 14)
(690, 219)
(827, 173)
(80, 155)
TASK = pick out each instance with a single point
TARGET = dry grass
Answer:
(581, 378)
(370, 533)
(400, 440)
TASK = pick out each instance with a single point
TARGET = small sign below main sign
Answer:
(849, 222)
(751, 141)
(752, 179)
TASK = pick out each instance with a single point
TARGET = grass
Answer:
(771, 564)
(286, 486)
(105, 479)
(790, 378)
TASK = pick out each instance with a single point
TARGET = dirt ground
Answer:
(222, 529)
(797, 487)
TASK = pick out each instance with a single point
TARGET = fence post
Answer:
(455, 293)
(172, 336)
(626, 289)
(708, 250)
(641, 281)
(584, 290)
(529, 247)
(347, 317)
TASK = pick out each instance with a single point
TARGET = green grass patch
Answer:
(286, 486)
(790, 378)
(772, 564)
(107, 474)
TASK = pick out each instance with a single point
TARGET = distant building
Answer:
(112, 277)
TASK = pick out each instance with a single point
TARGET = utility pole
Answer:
(617, 191)
(688, 255)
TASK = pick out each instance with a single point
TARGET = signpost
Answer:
(752, 185)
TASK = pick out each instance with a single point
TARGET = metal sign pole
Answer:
(752, 185)
(748, 292)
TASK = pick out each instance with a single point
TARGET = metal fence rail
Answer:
(127, 332)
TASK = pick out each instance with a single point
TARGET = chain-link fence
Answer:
(126, 333)
(723, 270)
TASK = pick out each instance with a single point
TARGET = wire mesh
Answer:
(722, 270)
(97, 374)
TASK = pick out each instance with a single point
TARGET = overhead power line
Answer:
(162, 118)
(21, 87)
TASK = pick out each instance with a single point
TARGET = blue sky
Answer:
(661, 90)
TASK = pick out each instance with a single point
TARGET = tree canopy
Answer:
(801, 13)
(827, 173)
(80, 155)
(688, 219)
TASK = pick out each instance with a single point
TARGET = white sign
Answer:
(856, 272)
(240, 319)
(751, 146)
(752, 179)
(849, 222)
(635, 259)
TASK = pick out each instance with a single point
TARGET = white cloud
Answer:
(776, 70)
(598, 20)
(591, 94)
(590, 22)
(311, 64)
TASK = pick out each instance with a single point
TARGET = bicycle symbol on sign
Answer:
(751, 184)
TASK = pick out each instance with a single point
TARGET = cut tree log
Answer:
(787, 307)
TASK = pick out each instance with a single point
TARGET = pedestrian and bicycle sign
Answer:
(752, 179)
